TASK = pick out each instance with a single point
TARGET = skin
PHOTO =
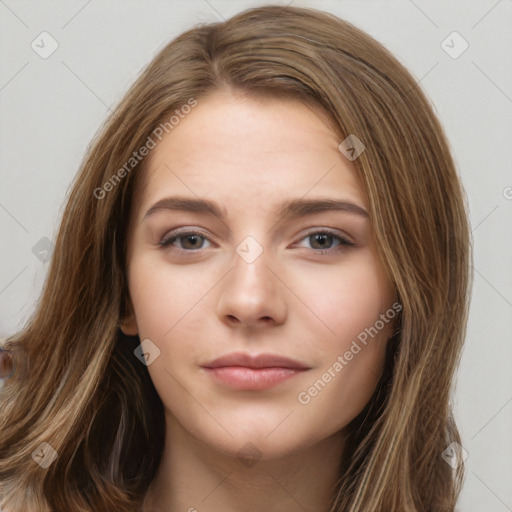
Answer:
(303, 297)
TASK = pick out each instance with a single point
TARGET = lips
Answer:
(256, 361)
(241, 371)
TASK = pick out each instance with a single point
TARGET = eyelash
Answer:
(166, 242)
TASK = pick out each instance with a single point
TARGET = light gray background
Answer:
(50, 109)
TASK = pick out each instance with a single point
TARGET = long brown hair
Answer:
(85, 393)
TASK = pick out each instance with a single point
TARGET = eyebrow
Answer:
(288, 210)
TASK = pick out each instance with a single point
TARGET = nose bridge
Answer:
(250, 293)
(250, 270)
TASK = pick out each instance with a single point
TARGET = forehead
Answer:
(253, 150)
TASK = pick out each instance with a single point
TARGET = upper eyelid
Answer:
(178, 232)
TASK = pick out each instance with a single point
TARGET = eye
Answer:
(192, 240)
(324, 239)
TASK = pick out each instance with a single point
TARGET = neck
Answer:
(195, 477)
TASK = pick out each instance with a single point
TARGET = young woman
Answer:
(259, 290)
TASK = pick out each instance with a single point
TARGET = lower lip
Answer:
(241, 377)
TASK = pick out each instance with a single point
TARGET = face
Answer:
(267, 272)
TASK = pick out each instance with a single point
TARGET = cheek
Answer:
(346, 299)
(162, 296)
(171, 304)
(353, 303)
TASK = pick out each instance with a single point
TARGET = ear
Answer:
(128, 323)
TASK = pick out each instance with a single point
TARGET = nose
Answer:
(252, 294)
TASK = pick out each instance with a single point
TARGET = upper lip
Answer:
(255, 361)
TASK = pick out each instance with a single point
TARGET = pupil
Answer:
(194, 238)
(322, 238)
